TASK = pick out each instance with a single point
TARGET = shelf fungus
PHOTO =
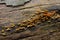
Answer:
(19, 29)
(4, 34)
(14, 2)
(8, 29)
(2, 30)
(30, 26)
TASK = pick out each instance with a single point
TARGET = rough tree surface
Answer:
(45, 30)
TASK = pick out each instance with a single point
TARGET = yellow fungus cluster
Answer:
(30, 22)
